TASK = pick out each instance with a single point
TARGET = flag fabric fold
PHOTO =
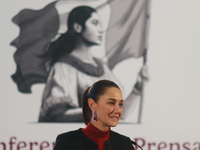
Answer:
(126, 35)
(37, 28)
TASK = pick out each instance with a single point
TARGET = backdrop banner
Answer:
(38, 84)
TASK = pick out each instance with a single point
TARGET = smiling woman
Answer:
(102, 104)
(102, 109)
(108, 108)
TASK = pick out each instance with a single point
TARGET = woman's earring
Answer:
(95, 116)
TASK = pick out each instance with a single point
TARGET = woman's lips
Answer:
(100, 37)
(114, 117)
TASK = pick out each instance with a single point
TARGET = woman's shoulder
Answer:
(70, 140)
(119, 141)
(71, 134)
(63, 69)
(118, 136)
(63, 65)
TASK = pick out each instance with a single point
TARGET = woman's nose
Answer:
(117, 108)
(101, 29)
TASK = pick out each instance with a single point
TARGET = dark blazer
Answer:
(76, 140)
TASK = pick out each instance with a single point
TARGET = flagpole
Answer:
(144, 62)
(142, 92)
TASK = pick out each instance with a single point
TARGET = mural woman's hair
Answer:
(94, 92)
(67, 41)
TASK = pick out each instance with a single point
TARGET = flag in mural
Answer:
(37, 28)
(53, 48)
(127, 31)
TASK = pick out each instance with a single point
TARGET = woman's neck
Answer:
(82, 51)
(99, 125)
(96, 135)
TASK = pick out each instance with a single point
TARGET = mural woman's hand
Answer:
(143, 77)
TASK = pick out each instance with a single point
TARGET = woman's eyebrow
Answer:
(115, 99)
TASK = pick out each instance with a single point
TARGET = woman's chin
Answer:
(97, 43)
(114, 123)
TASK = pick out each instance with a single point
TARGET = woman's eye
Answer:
(112, 103)
(121, 104)
(95, 22)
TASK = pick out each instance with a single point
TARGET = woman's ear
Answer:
(92, 104)
(77, 27)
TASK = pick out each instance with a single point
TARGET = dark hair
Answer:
(67, 41)
(94, 92)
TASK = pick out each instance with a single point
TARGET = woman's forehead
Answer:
(113, 93)
(94, 16)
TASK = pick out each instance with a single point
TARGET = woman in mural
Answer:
(73, 69)
(102, 109)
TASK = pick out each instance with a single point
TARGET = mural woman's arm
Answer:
(134, 96)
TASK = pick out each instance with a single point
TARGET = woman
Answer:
(73, 68)
(102, 109)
